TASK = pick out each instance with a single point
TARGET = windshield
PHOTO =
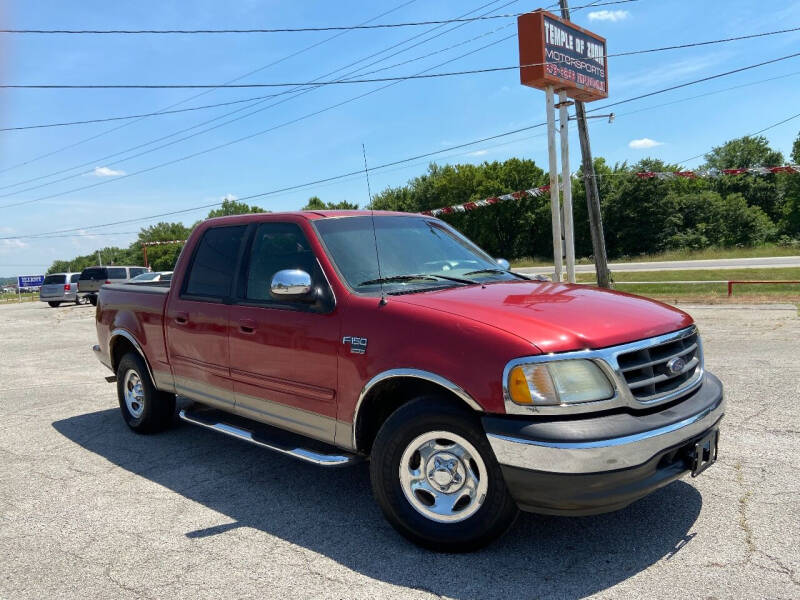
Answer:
(415, 253)
(146, 277)
(94, 273)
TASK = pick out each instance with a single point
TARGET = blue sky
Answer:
(403, 120)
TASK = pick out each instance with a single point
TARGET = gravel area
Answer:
(90, 510)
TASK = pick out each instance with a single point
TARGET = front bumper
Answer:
(601, 463)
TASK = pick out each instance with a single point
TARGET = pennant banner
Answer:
(448, 210)
(718, 172)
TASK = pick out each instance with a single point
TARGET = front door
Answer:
(283, 354)
(197, 319)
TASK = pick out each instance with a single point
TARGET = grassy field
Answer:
(707, 254)
(27, 297)
(708, 292)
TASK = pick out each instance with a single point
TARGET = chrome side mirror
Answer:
(290, 284)
(503, 264)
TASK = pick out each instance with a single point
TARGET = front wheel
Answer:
(144, 408)
(437, 480)
(54, 304)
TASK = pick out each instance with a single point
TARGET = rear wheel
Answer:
(436, 479)
(54, 304)
(144, 408)
(93, 300)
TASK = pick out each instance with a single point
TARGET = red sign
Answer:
(554, 52)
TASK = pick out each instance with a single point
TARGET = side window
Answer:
(74, 278)
(212, 270)
(117, 273)
(279, 246)
(136, 271)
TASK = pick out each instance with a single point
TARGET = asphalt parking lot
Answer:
(90, 510)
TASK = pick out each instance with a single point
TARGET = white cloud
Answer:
(5, 229)
(644, 144)
(230, 197)
(106, 172)
(6, 245)
(478, 153)
(609, 15)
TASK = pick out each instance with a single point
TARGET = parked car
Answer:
(93, 278)
(474, 391)
(153, 276)
(60, 287)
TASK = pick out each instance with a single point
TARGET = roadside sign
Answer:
(30, 281)
(560, 54)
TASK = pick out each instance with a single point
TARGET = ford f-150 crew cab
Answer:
(474, 391)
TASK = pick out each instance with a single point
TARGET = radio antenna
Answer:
(374, 232)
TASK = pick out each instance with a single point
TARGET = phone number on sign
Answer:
(579, 78)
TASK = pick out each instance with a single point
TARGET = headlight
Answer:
(558, 382)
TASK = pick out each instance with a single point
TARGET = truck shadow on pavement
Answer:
(332, 512)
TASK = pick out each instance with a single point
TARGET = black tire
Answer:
(420, 416)
(54, 304)
(93, 300)
(155, 410)
(78, 300)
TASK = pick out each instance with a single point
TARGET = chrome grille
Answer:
(647, 375)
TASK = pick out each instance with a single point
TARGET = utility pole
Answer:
(590, 183)
(555, 200)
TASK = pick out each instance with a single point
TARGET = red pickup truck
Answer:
(474, 391)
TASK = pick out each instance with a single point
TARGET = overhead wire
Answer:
(101, 159)
(203, 93)
(299, 92)
(282, 29)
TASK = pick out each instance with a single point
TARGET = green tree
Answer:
(234, 207)
(314, 203)
(743, 152)
(162, 257)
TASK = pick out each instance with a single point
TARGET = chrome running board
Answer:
(285, 442)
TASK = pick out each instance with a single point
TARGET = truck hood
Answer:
(556, 317)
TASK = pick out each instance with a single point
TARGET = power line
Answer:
(281, 190)
(240, 77)
(280, 29)
(195, 108)
(357, 172)
(249, 136)
(300, 91)
(373, 79)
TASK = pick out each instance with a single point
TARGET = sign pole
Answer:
(566, 184)
(555, 204)
(19, 288)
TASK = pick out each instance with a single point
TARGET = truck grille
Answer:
(647, 370)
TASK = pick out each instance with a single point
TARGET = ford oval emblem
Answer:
(675, 365)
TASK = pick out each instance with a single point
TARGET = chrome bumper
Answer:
(583, 456)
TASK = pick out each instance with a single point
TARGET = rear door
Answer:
(197, 318)
(92, 278)
(283, 354)
(53, 285)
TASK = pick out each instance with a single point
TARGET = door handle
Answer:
(247, 326)
(181, 318)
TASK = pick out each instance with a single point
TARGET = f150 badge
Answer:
(358, 345)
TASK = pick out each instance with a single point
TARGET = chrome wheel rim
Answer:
(134, 393)
(443, 477)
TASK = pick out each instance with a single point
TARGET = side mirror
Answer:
(290, 284)
(503, 264)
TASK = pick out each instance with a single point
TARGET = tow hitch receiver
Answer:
(705, 453)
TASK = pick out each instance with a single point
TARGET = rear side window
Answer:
(94, 273)
(212, 270)
(137, 271)
(117, 273)
(50, 279)
(74, 277)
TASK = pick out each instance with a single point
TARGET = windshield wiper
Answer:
(423, 276)
(494, 270)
